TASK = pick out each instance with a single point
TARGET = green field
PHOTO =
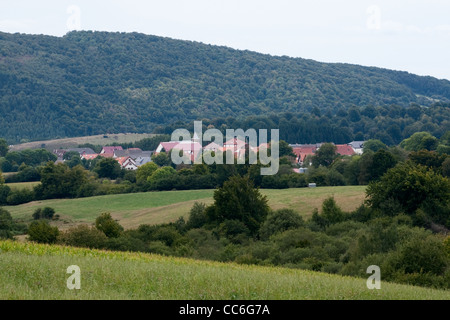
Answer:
(32, 271)
(132, 210)
(74, 142)
(22, 185)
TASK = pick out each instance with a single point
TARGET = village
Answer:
(133, 158)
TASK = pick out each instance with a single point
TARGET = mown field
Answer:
(132, 210)
(74, 142)
(32, 271)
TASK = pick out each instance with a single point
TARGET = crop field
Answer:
(132, 210)
(33, 271)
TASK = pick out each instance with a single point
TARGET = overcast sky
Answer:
(411, 35)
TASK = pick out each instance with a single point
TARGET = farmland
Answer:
(32, 271)
(74, 142)
(131, 210)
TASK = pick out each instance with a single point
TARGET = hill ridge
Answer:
(88, 83)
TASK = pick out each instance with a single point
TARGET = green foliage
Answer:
(150, 144)
(4, 193)
(331, 211)
(108, 168)
(279, 221)
(429, 159)
(410, 186)
(167, 80)
(374, 145)
(238, 200)
(6, 223)
(60, 181)
(83, 236)
(40, 231)
(325, 155)
(19, 196)
(162, 159)
(382, 161)
(197, 216)
(4, 147)
(29, 157)
(44, 213)
(285, 149)
(145, 171)
(161, 173)
(106, 224)
(420, 141)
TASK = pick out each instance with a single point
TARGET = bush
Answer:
(197, 216)
(84, 236)
(20, 196)
(331, 211)
(4, 192)
(420, 256)
(40, 231)
(279, 221)
(6, 223)
(45, 213)
(110, 227)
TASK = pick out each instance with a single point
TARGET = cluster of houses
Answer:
(302, 151)
(130, 159)
(133, 158)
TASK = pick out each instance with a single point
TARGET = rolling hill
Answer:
(88, 83)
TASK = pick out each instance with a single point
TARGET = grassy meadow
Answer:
(74, 142)
(33, 271)
(132, 210)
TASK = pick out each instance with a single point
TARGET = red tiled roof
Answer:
(89, 156)
(111, 149)
(344, 150)
(303, 152)
(107, 155)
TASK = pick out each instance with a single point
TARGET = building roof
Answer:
(234, 142)
(89, 156)
(213, 146)
(132, 152)
(344, 150)
(81, 150)
(356, 144)
(303, 151)
(111, 149)
(107, 155)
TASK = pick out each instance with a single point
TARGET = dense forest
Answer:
(89, 83)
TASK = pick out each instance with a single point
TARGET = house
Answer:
(301, 151)
(82, 151)
(357, 146)
(234, 144)
(213, 147)
(89, 156)
(190, 148)
(140, 157)
(140, 161)
(110, 150)
(344, 150)
(127, 163)
(166, 146)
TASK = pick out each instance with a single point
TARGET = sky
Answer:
(407, 35)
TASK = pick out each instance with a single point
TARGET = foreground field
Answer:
(135, 209)
(32, 271)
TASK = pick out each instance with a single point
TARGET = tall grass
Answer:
(34, 271)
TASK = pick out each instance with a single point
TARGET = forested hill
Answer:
(96, 82)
